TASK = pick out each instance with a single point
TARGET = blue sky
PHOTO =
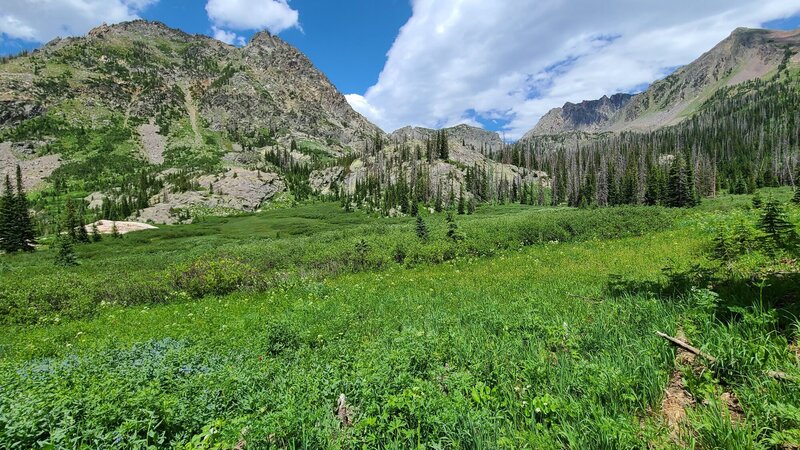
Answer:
(500, 65)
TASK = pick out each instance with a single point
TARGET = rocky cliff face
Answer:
(469, 137)
(187, 109)
(149, 70)
(589, 115)
(745, 55)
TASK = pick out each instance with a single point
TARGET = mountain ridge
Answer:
(746, 54)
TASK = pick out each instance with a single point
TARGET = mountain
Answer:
(468, 136)
(148, 70)
(138, 121)
(588, 116)
(94, 113)
(745, 55)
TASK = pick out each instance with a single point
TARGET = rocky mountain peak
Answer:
(745, 55)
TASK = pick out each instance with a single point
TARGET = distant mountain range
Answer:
(745, 55)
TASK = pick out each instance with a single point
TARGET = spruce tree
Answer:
(8, 232)
(82, 234)
(23, 223)
(96, 236)
(444, 148)
(461, 202)
(115, 231)
(65, 254)
(70, 220)
(778, 231)
(452, 229)
(422, 229)
(758, 202)
(679, 192)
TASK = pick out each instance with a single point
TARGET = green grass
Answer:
(222, 255)
(511, 339)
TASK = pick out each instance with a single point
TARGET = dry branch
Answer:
(687, 347)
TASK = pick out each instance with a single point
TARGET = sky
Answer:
(499, 65)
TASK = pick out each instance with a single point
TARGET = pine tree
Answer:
(422, 229)
(82, 234)
(115, 231)
(438, 206)
(757, 201)
(453, 232)
(65, 254)
(778, 231)
(414, 208)
(70, 220)
(96, 236)
(679, 193)
(461, 202)
(443, 146)
(8, 232)
(24, 224)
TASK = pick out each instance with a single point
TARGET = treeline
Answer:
(743, 138)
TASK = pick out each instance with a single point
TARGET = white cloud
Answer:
(42, 20)
(516, 59)
(228, 37)
(272, 15)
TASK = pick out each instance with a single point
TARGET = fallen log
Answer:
(687, 347)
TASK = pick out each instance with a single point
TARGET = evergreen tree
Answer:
(757, 201)
(778, 231)
(96, 236)
(23, 222)
(65, 254)
(414, 208)
(70, 220)
(115, 231)
(438, 206)
(443, 146)
(82, 234)
(461, 202)
(679, 192)
(453, 233)
(422, 229)
(8, 235)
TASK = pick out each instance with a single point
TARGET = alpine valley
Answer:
(204, 247)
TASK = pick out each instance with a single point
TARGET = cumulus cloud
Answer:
(43, 20)
(272, 15)
(228, 37)
(463, 60)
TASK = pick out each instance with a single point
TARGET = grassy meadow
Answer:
(531, 328)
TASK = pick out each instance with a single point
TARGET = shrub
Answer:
(215, 277)
(281, 337)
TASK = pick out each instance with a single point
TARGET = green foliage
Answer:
(221, 255)
(422, 229)
(757, 201)
(65, 254)
(428, 353)
(779, 233)
(217, 277)
(16, 227)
